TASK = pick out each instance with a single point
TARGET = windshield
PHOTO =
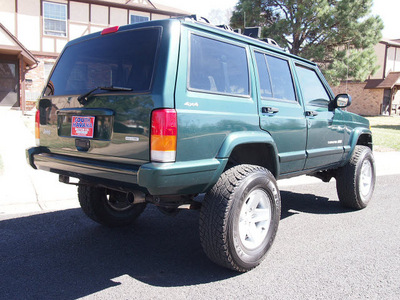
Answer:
(123, 59)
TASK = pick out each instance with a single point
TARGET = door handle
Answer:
(311, 113)
(269, 110)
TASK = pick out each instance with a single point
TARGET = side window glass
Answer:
(312, 89)
(263, 75)
(217, 67)
(281, 79)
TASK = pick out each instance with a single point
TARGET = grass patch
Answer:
(385, 133)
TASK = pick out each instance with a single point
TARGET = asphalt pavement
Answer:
(321, 251)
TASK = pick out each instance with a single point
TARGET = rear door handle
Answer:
(312, 113)
(269, 110)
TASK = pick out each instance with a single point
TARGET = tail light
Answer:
(37, 127)
(163, 135)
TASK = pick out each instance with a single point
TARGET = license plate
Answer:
(82, 126)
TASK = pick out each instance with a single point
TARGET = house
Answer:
(34, 32)
(378, 95)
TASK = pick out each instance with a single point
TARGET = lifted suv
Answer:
(159, 112)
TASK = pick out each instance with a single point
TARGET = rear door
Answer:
(214, 96)
(325, 131)
(280, 112)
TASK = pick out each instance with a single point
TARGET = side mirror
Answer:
(342, 101)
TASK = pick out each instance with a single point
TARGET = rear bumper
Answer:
(156, 178)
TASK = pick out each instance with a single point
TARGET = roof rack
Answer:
(253, 32)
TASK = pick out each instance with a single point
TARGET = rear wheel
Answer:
(108, 207)
(239, 217)
(355, 182)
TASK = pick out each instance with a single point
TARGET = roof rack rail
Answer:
(195, 17)
(255, 32)
(226, 27)
(271, 42)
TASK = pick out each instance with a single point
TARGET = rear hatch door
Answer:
(98, 100)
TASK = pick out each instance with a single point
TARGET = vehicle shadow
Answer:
(295, 203)
(64, 254)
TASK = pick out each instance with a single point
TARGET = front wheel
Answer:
(355, 182)
(108, 207)
(239, 217)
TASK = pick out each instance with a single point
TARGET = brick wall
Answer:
(35, 81)
(366, 102)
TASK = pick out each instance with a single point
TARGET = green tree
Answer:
(339, 35)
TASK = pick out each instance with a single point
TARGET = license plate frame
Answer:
(82, 126)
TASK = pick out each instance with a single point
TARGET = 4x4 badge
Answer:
(191, 104)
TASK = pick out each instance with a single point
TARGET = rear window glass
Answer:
(123, 59)
(218, 67)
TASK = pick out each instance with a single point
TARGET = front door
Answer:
(325, 131)
(9, 83)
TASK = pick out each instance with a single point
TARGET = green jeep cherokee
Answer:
(159, 112)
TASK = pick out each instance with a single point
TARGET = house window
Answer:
(55, 19)
(138, 19)
(48, 66)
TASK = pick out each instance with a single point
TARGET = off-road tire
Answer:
(355, 182)
(222, 217)
(95, 203)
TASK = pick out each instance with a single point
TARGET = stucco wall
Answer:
(366, 102)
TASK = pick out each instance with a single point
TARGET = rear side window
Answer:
(122, 59)
(217, 67)
(275, 77)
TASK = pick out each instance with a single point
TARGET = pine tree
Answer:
(339, 35)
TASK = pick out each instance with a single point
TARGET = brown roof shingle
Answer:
(388, 83)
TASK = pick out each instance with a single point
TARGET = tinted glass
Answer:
(218, 67)
(281, 79)
(312, 89)
(263, 75)
(122, 59)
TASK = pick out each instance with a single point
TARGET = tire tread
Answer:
(213, 224)
(346, 179)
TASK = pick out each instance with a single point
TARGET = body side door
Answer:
(281, 114)
(324, 124)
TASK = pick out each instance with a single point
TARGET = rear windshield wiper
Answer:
(82, 99)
